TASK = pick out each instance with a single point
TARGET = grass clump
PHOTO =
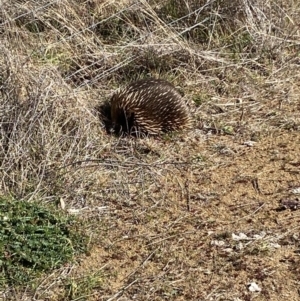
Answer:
(75, 288)
(34, 239)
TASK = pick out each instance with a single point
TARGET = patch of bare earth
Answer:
(213, 232)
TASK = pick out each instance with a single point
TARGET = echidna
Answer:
(149, 106)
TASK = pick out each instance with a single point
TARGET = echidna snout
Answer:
(150, 106)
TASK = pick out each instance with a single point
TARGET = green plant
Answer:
(34, 239)
(77, 288)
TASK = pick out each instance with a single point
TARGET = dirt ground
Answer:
(211, 235)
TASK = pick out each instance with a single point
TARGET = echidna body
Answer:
(150, 106)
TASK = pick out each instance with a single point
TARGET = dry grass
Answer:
(162, 211)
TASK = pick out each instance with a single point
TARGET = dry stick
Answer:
(122, 290)
(188, 197)
(118, 164)
(239, 219)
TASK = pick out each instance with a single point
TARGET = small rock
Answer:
(249, 143)
(218, 243)
(253, 287)
(295, 190)
(240, 236)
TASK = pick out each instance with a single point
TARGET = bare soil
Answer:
(181, 246)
